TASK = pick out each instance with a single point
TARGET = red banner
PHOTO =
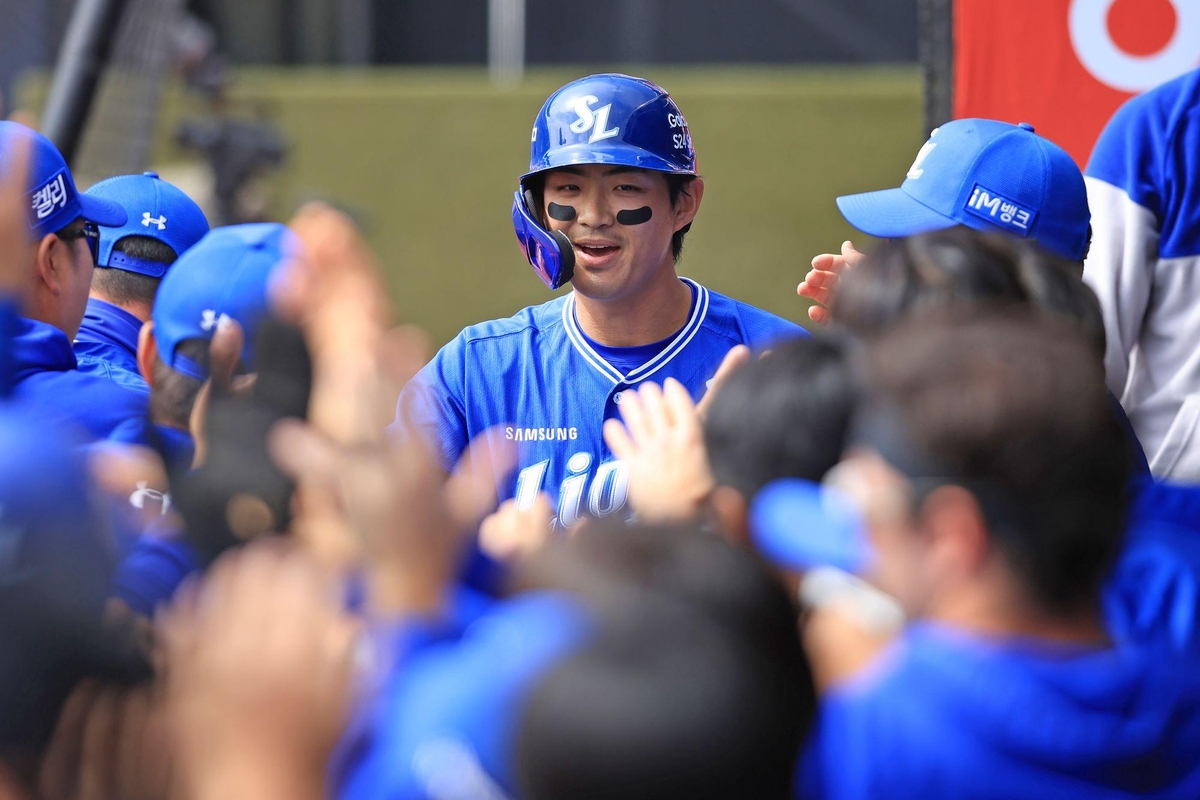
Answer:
(1066, 65)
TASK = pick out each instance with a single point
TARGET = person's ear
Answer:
(732, 515)
(687, 205)
(147, 352)
(53, 262)
(958, 540)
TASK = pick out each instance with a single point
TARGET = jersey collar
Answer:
(108, 324)
(676, 346)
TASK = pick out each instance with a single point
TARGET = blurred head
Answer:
(988, 457)
(162, 222)
(955, 267)
(695, 686)
(222, 277)
(989, 176)
(62, 228)
(57, 559)
(613, 169)
(803, 395)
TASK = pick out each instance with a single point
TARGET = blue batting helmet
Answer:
(601, 119)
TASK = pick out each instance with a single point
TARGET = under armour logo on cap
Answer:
(160, 221)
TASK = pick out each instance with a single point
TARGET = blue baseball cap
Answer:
(799, 524)
(155, 209)
(224, 275)
(987, 175)
(54, 202)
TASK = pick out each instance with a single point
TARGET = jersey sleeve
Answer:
(1127, 191)
(432, 405)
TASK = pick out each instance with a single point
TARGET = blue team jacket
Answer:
(45, 375)
(536, 378)
(106, 345)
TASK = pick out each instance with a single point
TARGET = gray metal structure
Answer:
(936, 51)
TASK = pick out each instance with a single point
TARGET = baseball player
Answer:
(1142, 187)
(59, 261)
(224, 276)
(162, 223)
(611, 191)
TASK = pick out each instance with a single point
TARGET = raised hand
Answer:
(224, 353)
(391, 498)
(662, 442)
(259, 665)
(335, 293)
(512, 532)
(821, 283)
(737, 357)
(14, 225)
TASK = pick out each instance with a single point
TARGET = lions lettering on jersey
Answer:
(535, 378)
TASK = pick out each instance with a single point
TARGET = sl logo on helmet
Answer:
(595, 120)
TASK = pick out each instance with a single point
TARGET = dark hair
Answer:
(1014, 407)
(695, 686)
(124, 287)
(783, 415)
(173, 393)
(676, 185)
(958, 265)
(1055, 284)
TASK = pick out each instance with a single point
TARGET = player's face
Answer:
(620, 220)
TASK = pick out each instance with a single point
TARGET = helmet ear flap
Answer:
(550, 253)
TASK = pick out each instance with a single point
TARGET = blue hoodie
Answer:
(948, 714)
(45, 375)
(106, 345)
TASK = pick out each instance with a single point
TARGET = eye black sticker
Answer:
(635, 216)
(560, 213)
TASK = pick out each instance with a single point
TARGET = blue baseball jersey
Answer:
(539, 380)
(106, 345)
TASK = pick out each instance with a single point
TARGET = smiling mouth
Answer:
(596, 250)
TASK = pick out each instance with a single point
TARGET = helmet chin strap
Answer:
(567, 254)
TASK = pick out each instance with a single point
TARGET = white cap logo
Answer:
(148, 220)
